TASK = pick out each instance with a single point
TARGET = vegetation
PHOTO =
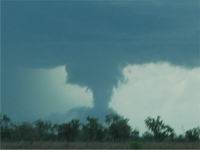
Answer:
(92, 130)
(159, 129)
(118, 127)
(115, 129)
(193, 134)
(67, 131)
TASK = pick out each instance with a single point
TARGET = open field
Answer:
(100, 145)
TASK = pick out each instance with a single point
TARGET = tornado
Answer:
(95, 40)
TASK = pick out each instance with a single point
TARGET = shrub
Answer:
(159, 129)
(193, 134)
(135, 145)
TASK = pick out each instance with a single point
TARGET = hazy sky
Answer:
(138, 57)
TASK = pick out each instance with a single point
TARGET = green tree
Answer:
(5, 121)
(118, 127)
(25, 132)
(7, 127)
(44, 130)
(147, 136)
(135, 134)
(69, 131)
(193, 134)
(93, 130)
(159, 129)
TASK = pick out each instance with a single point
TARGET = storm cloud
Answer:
(95, 40)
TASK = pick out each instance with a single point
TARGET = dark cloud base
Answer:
(95, 40)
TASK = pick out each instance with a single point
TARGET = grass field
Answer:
(100, 145)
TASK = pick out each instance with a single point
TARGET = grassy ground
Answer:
(99, 145)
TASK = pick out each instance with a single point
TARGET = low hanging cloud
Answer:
(95, 40)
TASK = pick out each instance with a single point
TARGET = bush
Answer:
(69, 131)
(135, 145)
(118, 127)
(93, 130)
(159, 129)
(193, 134)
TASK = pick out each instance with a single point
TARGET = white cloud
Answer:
(159, 89)
(149, 90)
(47, 92)
(56, 78)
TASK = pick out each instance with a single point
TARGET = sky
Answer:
(138, 58)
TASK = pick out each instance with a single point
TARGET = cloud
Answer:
(159, 89)
(38, 93)
(96, 39)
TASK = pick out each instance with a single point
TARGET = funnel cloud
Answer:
(95, 40)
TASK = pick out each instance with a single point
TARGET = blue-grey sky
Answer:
(94, 41)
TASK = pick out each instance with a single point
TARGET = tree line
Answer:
(114, 129)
